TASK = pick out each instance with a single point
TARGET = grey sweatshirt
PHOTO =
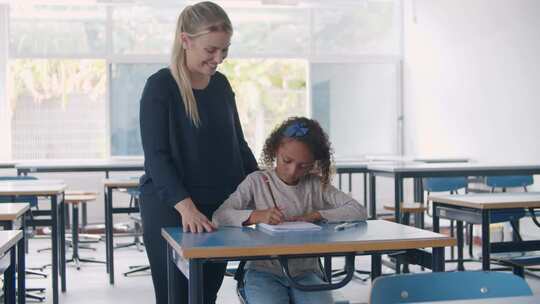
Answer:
(300, 199)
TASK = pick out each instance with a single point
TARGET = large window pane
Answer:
(127, 83)
(270, 31)
(357, 105)
(144, 29)
(58, 108)
(267, 92)
(368, 28)
(55, 30)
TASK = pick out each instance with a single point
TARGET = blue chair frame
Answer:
(440, 286)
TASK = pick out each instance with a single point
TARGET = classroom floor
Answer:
(90, 284)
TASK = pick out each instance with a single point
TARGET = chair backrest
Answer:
(509, 181)
(31, 199)
(439, 286)
(443, 184)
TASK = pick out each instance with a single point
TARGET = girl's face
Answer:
(293, 161)
(204, 53)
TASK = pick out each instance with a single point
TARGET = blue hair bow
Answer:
(297, 129)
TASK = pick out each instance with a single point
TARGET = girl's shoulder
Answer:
(313, 179)
(257, 175)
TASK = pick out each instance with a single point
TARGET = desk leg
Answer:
(436, 227)
(172, 284)
(350, 183)
(196, 288)
(416, 191)
(21, 265)
(459, 227)
(372, 197)
(62, 231)
(54, 237)
(376, 266)
(105, 198)
(9, 278)
(365, 190)
(485, 240)
(438, 259)
(398, 195)
(109, 234)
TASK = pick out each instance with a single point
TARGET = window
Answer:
(58, 108)
(78, 70)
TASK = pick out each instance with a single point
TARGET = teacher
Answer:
(194, 148)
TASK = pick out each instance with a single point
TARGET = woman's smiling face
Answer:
(204, 53)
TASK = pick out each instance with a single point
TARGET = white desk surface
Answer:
(491, 200)
(534, 299)
(121, 182)
(8, 238)
(427, 167)
(81, 163)
(32, 187)
(12, 211)
(375, 235)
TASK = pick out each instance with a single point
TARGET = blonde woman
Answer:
(194, 148)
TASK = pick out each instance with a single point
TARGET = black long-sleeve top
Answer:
(205, 163)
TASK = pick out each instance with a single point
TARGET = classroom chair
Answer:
(445, 184)
(75, 200)
(505, 182)
(137, 241)
(134, 202)
(238, 274)
(441, 286)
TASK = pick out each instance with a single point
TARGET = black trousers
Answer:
(156, 215)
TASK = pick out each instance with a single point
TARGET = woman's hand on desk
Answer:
(272, 216)
(312, 217)
(192, 219)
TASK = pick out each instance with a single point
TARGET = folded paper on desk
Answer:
(290, 226)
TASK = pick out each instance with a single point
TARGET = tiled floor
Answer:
(90, 284)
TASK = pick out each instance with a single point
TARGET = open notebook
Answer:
(290, 226)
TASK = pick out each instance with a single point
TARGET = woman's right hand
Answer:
(272, 216)
(192, 219)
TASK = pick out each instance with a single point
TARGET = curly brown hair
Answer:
(315, 139)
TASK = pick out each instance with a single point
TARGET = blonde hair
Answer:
(195, 20)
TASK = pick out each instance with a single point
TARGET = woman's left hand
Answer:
(312, 217)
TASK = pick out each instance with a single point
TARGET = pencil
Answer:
(267, 182)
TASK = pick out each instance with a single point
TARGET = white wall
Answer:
(472, 78)
(5, 151)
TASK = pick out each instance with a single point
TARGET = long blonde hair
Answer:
(195, 20)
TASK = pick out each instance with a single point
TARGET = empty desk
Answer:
(54, 190)
(477, 208)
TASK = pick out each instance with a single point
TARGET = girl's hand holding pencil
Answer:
(272, 216)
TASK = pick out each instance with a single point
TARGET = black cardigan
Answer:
(205, 163)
